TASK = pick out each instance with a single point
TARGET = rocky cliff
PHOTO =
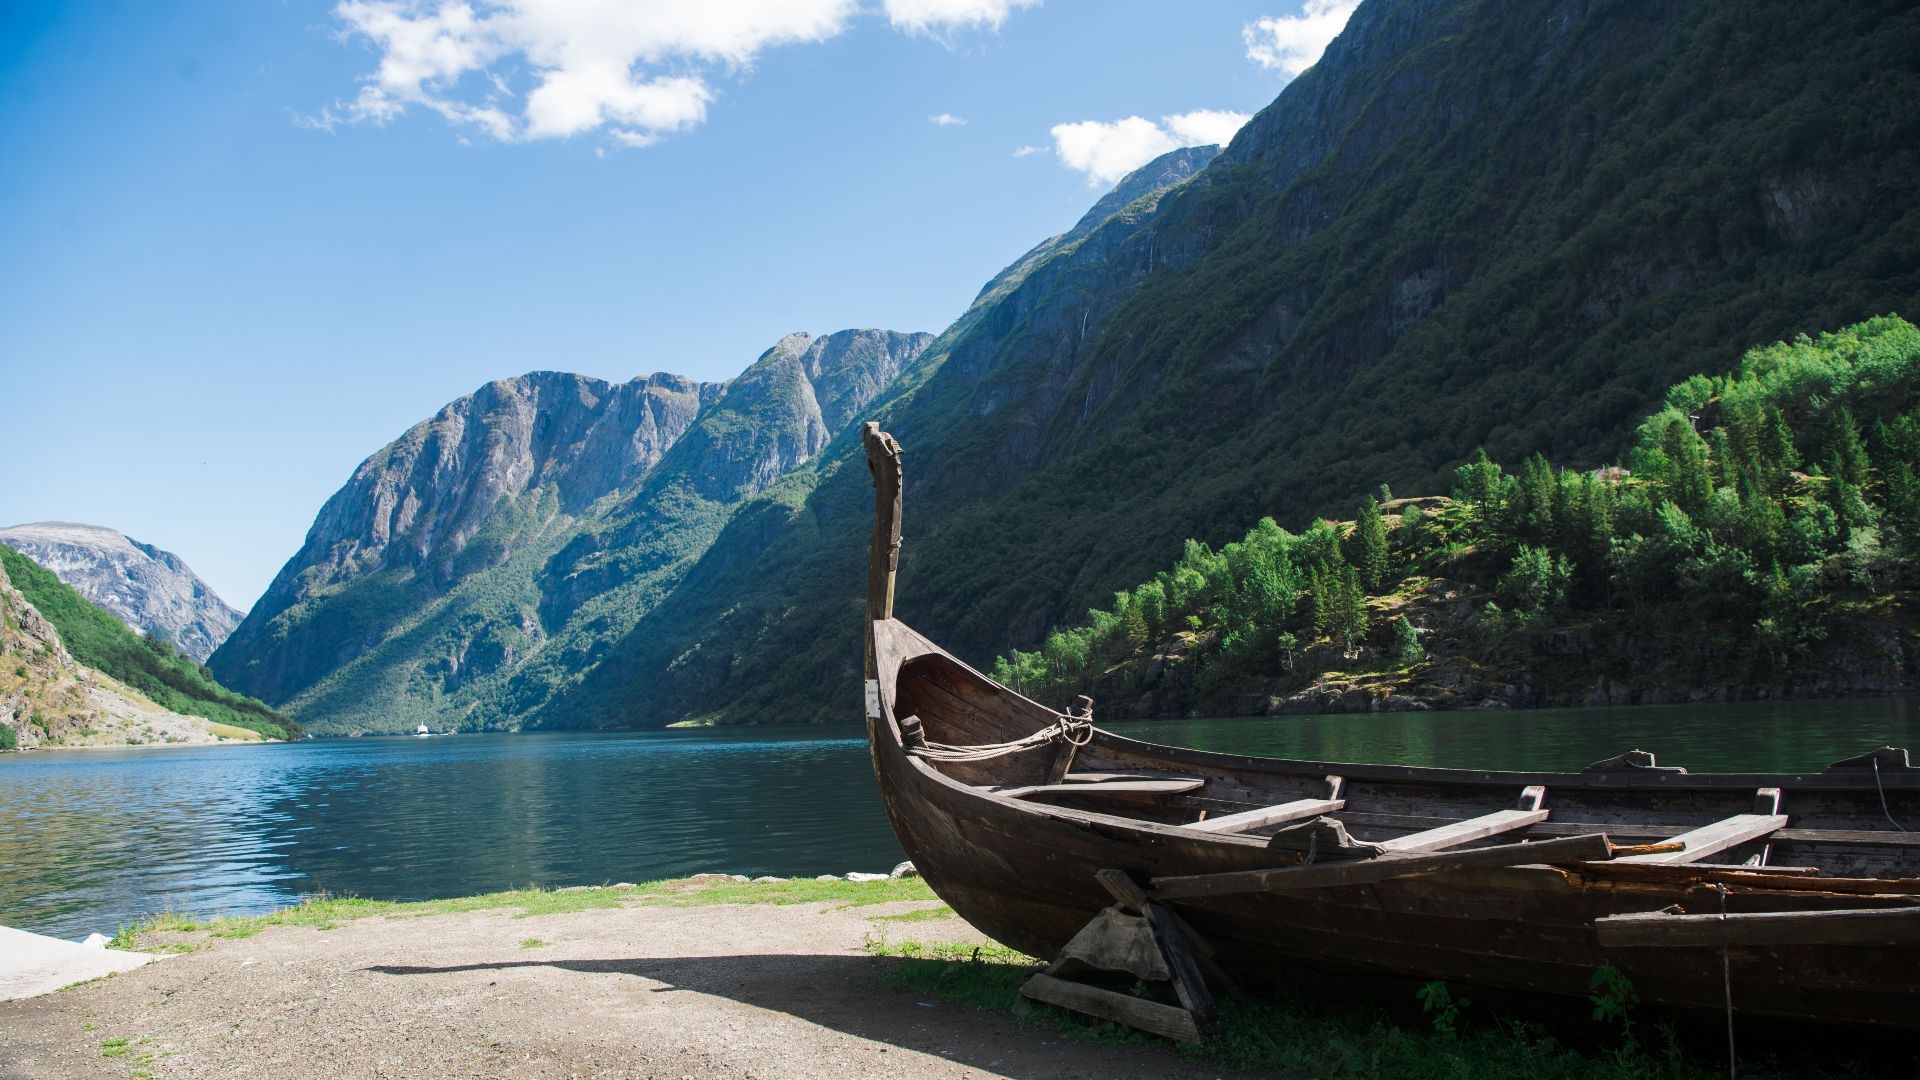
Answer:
(49, 699)
(536, 517)
(151, 590)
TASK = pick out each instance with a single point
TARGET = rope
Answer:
(1883, 797)
(1074, 731)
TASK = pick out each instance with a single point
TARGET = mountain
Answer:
(492, 552)
(72, 674)
(151, 590)
(1472, 223)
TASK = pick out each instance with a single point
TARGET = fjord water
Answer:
(93, 839)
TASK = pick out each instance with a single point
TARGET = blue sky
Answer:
(248, 244)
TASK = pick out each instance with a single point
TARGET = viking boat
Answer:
(1780, 894)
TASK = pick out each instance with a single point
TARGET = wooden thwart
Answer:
(1104, 787)
(1479, 828)
(1278, 814)
(1873, 926)
(1724, 834)
(1570, 849)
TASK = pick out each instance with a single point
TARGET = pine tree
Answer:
(1367, 546)
(1319, 604)
(1350, 608)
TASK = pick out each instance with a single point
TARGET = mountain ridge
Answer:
(538, 511)
(150, 589)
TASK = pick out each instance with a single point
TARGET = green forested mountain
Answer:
(151, 665)
(1474, 223)
(1763, 539)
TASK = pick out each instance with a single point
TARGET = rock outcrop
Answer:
(151, 590)
(538, 513)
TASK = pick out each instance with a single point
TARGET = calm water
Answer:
(93, 839)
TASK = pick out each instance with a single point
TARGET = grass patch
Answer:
(534, 943)
(918, 915)
(228, 731)
(117, 1047)
(986, 975)
(1298, 1035)
(325, 912)
(843, 893)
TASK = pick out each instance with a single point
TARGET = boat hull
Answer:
(1024, 874)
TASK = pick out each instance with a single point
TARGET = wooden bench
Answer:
(1724, 834)
(1278, 814)
(1477, 828)
(1107, 784)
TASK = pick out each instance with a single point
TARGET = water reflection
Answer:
(1750, 736)
(90, 840)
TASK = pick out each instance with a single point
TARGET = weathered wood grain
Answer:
(1874, 927)
(1111, 1005)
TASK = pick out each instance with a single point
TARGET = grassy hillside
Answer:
(1760, 539)
(149, 665)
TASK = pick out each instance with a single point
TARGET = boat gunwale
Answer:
(1632, 781)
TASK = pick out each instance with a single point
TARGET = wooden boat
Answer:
(1783, 894)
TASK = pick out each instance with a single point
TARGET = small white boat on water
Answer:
(421, 732)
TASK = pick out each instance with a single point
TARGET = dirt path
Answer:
(639, 990)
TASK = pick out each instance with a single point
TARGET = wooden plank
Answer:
(1571, 849)
(1122, 888)
(1716, 838)
(1878, 926)
(1465, 832)
(1109, 1005)
(1187, 982)
(1279, 814)
(1107, 787)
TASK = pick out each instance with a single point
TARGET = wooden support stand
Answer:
(1149, 941)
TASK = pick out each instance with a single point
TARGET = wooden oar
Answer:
(1590, 847)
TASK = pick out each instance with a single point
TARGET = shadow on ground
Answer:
(844, 993)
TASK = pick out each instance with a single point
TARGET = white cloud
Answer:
(1202, 127)
(639, 68)
(947, 119)
(1292, 43)
(1108, 151)
(1024, 151)
(934, 16)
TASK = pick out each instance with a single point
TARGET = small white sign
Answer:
(873, 699)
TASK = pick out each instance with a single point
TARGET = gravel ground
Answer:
(759, 991)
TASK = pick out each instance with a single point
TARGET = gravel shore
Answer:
(644, 989)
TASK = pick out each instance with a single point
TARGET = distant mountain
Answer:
(482, 561)
(73, 674)
(151, 590)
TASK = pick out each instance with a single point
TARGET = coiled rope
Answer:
(1075, 731)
